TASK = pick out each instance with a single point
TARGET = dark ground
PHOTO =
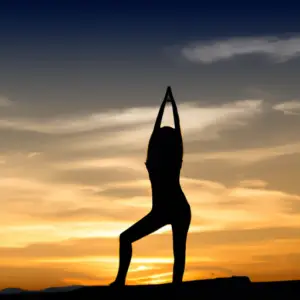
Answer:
(220, 288)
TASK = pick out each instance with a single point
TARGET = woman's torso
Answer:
(164, 158)
(164, 163)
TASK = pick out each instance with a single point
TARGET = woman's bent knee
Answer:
(123, 238)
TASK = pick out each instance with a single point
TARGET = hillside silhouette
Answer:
(232, 287)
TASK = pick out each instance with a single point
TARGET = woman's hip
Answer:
(178, 209)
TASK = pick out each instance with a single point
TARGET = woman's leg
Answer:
(142, 228)
(180, 228)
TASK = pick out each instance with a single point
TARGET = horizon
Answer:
(72, 287)
(80, 88)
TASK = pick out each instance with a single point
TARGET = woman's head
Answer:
(166, 132)
(166, 137)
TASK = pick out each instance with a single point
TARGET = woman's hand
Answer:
(175, 115)
(161, 110)
(169, 96)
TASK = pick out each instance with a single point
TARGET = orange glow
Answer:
(63, 209)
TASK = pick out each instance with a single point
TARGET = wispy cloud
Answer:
(33, 154)
(79, 123)
(253, 183)
(193, 117)
(248, 155)
(277, 49)
(214, 205)
(106, 163)
(198, 123)
(289, 107)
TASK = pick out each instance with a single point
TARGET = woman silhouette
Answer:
(169, 204)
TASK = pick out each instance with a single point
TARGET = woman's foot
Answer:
(117, 284)
(177, 282)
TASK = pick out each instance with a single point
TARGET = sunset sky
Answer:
(80, 87)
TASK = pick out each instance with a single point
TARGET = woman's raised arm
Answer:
(175, 114)
(160, 113)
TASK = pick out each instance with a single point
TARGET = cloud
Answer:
(293, 206)
(254, 183)
(192, 115)
(101, 248)
(52, 212)
(198, 123)
(87, 214)
(81, 123)
(37, 277)
(102, 163)
(94, 176)
(246, 156)
(277, 49)
(33, 154)
(289, 107)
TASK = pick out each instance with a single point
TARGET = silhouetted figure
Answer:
(169, 204)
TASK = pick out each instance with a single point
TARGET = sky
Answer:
(80, 86)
